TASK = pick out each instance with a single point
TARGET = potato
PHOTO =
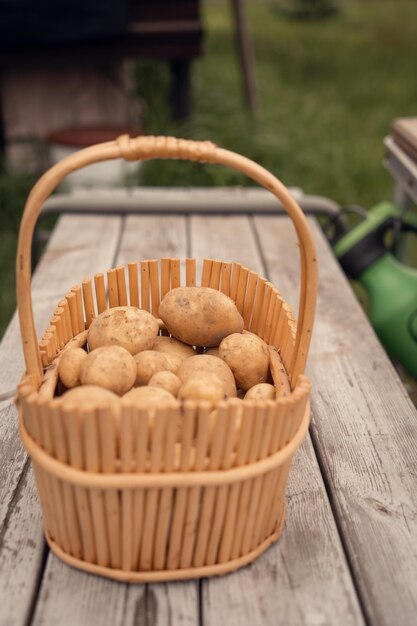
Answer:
(126, 326)
(149, 362)
(203, 386)
(150, 397)
(111, 367)
(262, 391)
(212, 364)
(166, 380)
(69, 367)
(173, 346)
(248, 357)
(89, 396)
(200, 316)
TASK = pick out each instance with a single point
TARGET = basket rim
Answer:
(100, 480)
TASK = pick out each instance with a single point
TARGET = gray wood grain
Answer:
(21, 543)
(22, 553)
(364, 431)
(100, 601)
(77, 248)
(304, 578)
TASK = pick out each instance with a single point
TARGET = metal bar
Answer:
(213, 200)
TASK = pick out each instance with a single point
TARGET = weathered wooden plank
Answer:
(78, 247)
(101, 601)
(22, 552)
(68, 596)
(219, 238)
(22, 545)
(364, 430)
(149, 237)
(304, 579)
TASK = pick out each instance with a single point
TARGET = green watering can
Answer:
(392, 286)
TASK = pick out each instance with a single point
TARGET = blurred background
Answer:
(308, 88)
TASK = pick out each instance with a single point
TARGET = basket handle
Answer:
(142, 148)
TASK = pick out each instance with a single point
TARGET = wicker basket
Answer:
(140, 497)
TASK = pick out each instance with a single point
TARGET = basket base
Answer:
(168, 575)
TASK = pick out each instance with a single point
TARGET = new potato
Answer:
(262, 391)
(206, 363)
(248, 357)
(150, 397)
(88, 396)
(200, 316)
(203, 386)
(171, 345)
(111, 367)
(149, 362)
(125, 326)
(166, 380)
(69, 367)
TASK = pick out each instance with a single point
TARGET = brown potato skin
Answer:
(149, 362)
(262, 391)
(173, 346)
(212, 364)
(88, 396)
(127, 326)
(200, 316)
(148, 397)
(111, 367)
(203, 386)
(166, 380)
(69, 367)
(248, 357)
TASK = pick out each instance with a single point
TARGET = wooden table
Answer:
(348, 555)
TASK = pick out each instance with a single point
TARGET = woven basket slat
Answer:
(133, 284)
(226, 540)
(165, 275)
(73, 527)
(219, 511)
(101, 298)
(113, 517)
(206, 273)
(264, 505)
(150, 506)
(190, 272)
(204, 525)
(121, 286)
(144, 286)
(251, 513)
(162, 528)
(86, 523)
(112, 288)
(241, 518)
(215, 275)
(88, 300)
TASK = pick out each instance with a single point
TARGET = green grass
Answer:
(328, 89)
(13, 192)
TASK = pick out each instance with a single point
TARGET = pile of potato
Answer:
(207, 357)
